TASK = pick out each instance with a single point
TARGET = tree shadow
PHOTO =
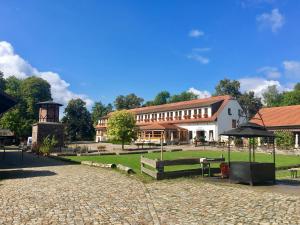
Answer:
(19, 174)
(14, 159)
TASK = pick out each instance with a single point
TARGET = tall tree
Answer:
(2, 81)
(183, 96)
(272, 97)
(78, 121)
(291, 98)
(297, 87)
(130, 101)
(27, 92)
(161, 98)
(250, 104)
(228, 87)
(99, 110)
(121, 127)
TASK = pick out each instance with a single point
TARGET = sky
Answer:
(97, 50)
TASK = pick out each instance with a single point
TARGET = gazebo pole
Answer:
(249, 144)
(253, 149)
(229, 151)
(274, 159)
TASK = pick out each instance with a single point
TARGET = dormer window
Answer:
(229, 111)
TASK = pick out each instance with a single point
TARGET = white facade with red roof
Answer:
(182, 122)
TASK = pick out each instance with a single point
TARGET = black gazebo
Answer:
(251, 172)
(6, 102)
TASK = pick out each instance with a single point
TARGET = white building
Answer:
(182, 122)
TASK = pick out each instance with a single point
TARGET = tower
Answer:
(48, 124)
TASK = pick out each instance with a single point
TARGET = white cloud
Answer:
(292, 69)
(13, 64)
(259, 85)
(196, 33)
(270, 72)
(200, 94)
(274, 20)
(201, 49)
(199, 58)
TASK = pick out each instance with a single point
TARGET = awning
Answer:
(161, 127)
(6, 102)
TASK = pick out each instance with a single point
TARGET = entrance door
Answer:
(200, 134)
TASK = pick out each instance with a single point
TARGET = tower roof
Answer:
(50, 102)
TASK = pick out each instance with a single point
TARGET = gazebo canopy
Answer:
(6, 102)
(249, 130)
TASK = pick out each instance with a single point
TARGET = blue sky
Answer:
(100, 49)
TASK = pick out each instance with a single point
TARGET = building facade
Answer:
(183, 122)
(280, 118)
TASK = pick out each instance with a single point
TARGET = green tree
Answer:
(2, 81)
(183, 96)
(121, 127)
(284, 139)
(250, 104)
(27, 92)
(272, 97)
(78, 121)
(228, 87)
(130, 101)
(291, 98)
(297, 87)
(160, 99)
(99, 110)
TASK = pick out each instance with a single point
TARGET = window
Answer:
(199, 111)
(233, 123)
(189, 112)
(229, 111)
(185, 112)
(195, 111)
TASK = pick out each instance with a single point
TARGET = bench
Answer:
(294, 172)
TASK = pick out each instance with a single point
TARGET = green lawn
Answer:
(133, 160)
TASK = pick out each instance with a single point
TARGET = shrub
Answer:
(47, 145)
(238, 142)
(284, 139)
(101, 147)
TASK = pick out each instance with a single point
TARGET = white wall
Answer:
(225, 121)
(201, 127)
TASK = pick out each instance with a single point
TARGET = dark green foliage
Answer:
(297, 87)
(183, 96)
(27, 92)
(272, 97)
(228, 87)
(78, 121)
(250, 104)
(130, 101)
(2, 81)
(284, 139)
(291, 98)
(99, 110)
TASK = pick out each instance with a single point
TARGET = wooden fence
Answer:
(155, 168)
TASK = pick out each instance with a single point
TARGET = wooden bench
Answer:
(294, 172)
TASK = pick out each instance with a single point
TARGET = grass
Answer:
(133, 160)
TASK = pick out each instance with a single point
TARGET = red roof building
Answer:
(280, 118)
(181, 122)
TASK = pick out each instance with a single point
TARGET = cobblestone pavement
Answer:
(76, 194)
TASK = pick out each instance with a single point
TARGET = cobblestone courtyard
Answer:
(51, 192)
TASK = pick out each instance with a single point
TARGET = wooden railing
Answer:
(155, 168)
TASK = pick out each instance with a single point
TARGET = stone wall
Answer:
(42, 130)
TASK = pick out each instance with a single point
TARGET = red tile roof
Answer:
(159, 126)
(278, 116)
(181, 105)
